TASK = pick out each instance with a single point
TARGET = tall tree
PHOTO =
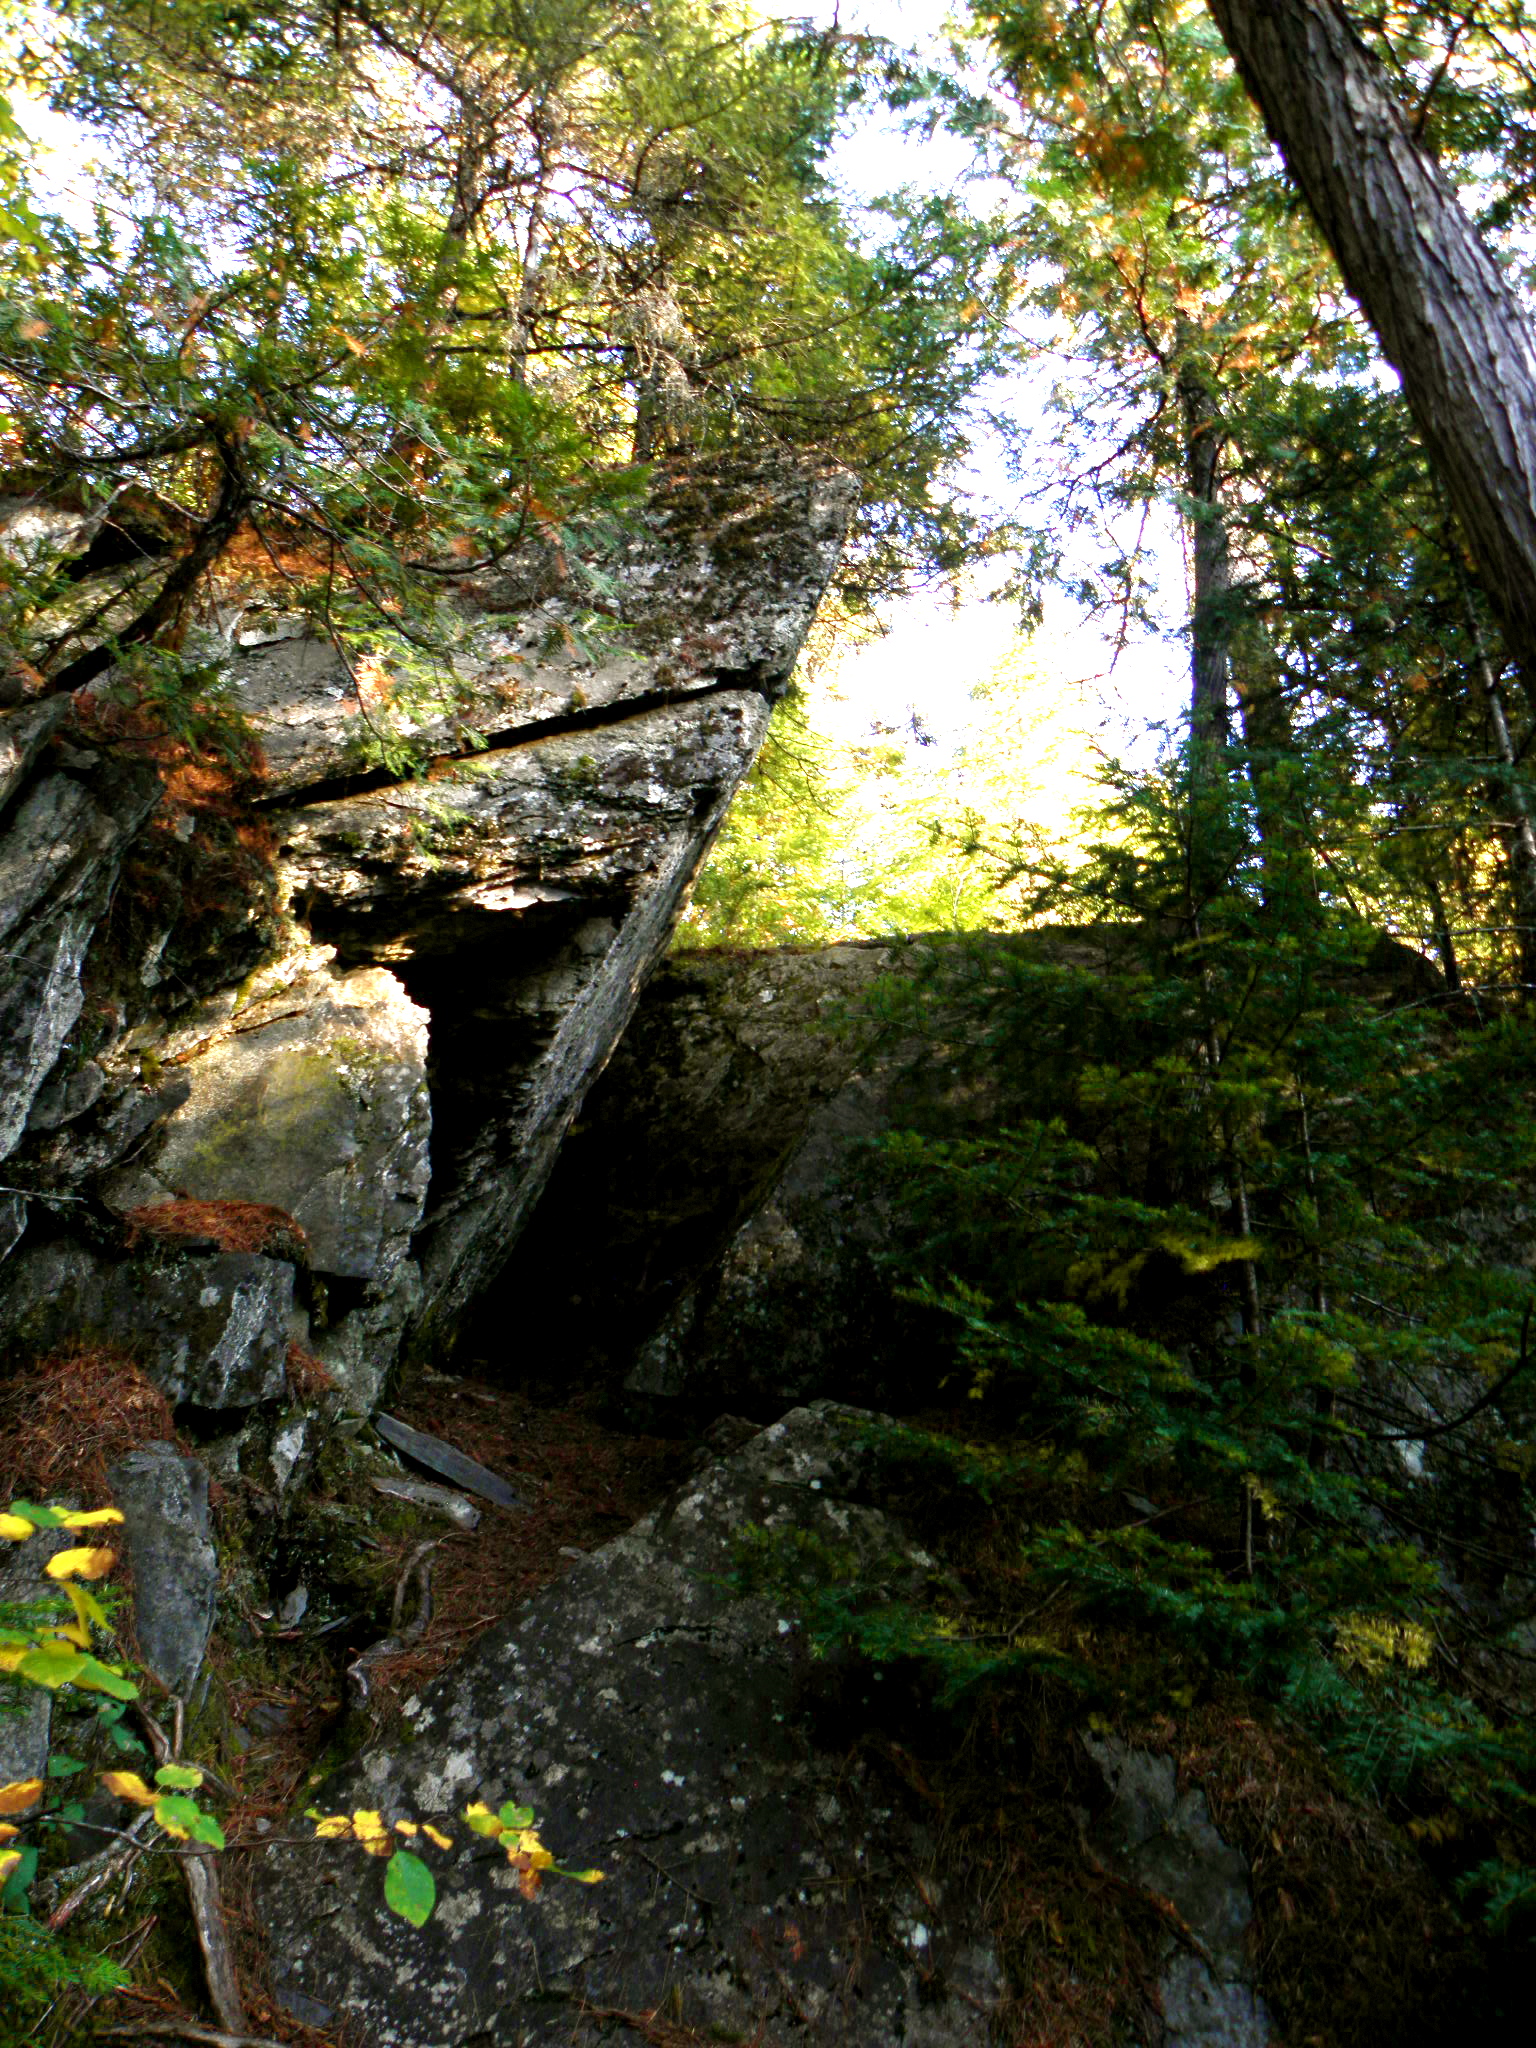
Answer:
(1445, 314)
(385, 286)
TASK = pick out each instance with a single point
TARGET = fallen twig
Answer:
(109, 1863)
(174, 2029)
(417, 1566)
(202, 1875)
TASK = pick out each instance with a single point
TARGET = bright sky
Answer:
(934, 650)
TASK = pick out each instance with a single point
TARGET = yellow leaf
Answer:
(88, 1609)
(91, 1518)
(81, 1564)
(481, 1819)
(9, 1858)
(15, 1528)
(333, 1827)
(7, 1832)
(358, 348)
(20, 1794)
(368, 1826)
(406, 1827)
(129, 1785)
(12, 1655)
(529, 1851)
(436, 1835)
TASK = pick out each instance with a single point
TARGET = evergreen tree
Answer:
(376, 293)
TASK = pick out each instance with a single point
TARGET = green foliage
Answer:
(834, 838)
(367, 298)
(47, 1643)
(1236, 1250)
(36, 1967)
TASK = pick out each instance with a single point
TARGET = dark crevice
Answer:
(755, 676)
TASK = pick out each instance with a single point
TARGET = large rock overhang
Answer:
(470, 882)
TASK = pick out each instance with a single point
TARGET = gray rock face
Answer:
(714, 590)
(211, 1330)
(655, 1724)
(1163, 1840)
(315, 1101)
(375, 998)
(59, 857)
(719, 1163)
(164, 1499)
(13, 1221)
(24, 733)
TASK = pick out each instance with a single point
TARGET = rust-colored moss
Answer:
(231, 1226)
(308, 1377)
(66, 1419)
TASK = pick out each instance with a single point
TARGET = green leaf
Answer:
(516, 1816)
(179, 1777)
(13, 1898)
(410, 1888)
(206, 1829)
(177, 1814)
(40, 1518)
(52, 1665)
(61, 1766)
(94, 1676)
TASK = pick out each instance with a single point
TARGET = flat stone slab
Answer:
(758, 1887)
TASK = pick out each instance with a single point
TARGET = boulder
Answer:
(1161, 1839)
(314, 1100)
(166, 1528)
(372, 984)
(212, 1330)
(658, 1724)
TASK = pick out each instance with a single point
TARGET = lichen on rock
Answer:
(658, 1725)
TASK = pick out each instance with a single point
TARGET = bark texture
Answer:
(1211, 615)
(1444, 313)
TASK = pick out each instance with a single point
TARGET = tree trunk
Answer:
(1211, 613)
(1441, 308)
(165, 609)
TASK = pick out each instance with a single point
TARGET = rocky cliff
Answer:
(303, 1047)
(366, 987)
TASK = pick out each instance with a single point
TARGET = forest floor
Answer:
(1346, 1927)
